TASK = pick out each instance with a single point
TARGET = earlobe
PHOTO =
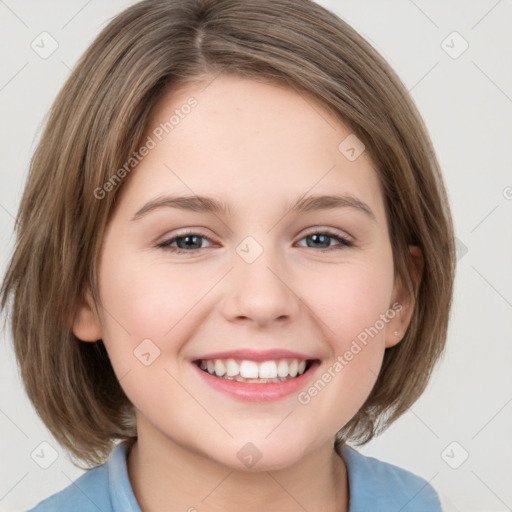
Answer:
(86, 324)
(404, 300)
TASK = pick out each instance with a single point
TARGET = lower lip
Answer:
(249, 392)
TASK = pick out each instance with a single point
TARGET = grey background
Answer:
(467, 105)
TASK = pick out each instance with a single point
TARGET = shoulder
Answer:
(106, 488)
(376, 483)
(89, 493)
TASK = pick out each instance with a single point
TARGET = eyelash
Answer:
(343, 242)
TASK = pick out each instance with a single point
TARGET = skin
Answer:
(257, 147)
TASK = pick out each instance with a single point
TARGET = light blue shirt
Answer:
(374, 486)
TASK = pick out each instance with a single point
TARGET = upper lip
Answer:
(255, 355)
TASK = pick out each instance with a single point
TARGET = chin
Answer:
(260, 456)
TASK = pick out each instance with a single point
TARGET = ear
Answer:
(397, 326)
(86, 324)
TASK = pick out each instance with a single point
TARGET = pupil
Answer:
(186, 242)
(319, 238)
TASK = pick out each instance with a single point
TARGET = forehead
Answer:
(247, 140)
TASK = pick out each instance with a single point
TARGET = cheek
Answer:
(349, 299)
(351, 303)
(148, 308)
(149, 299)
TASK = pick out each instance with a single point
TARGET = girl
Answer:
(234, 258)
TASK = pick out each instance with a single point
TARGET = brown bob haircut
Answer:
(98, 120)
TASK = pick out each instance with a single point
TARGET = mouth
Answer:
(272, 371)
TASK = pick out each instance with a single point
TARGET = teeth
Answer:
(219, 368)
(249, 370)
(245, 369)
(282, 369)
(232, 368)
(268, 370)
(292, 369)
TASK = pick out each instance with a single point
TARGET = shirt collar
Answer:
(123, 499)
(120, 489)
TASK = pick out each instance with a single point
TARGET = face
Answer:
(262, 279)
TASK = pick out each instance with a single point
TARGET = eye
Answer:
(322, 240)
(190, 242)
(185, 243)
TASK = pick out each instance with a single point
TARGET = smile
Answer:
(255, 372)
(250, 375)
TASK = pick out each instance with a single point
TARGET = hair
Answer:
(97, 121)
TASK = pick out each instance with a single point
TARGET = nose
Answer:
(260, 292)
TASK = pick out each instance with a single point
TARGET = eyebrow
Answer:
(192, 203)
(206, 204)
(326, 202)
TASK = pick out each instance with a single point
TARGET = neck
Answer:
(166, 476)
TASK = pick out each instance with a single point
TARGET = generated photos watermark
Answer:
(157, 135)
(357, 345)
